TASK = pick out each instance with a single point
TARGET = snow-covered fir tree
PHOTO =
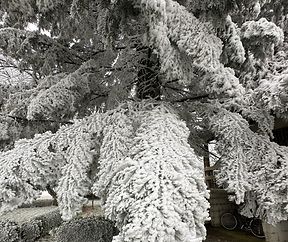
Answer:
(117, 97)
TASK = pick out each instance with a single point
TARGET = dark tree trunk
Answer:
(53, 194)
(148, 83)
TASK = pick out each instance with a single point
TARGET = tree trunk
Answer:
(53, 194)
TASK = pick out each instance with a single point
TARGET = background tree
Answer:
(112, 84)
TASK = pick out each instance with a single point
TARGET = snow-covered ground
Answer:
(44, 196)
(22, 215)
(47, 238)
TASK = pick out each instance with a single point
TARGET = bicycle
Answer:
(230, 221)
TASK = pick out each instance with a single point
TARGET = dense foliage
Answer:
(86, 229)
(109, 91)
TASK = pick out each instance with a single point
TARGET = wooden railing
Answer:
(209, 176)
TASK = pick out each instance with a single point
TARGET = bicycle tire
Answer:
(228, 221)
(256, 228)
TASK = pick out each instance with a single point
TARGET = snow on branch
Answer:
(59, 99)
(117, 135)
(81, 147)
(273, 93)
(60, 95)
(222, 82)
(150, 180)
(187, 46)
(26, 169)
(263, 30)
(261, 36)
(192, 36)
(262, 117)
(157, 192)
(62, 159)
(250, 162)
(230, 129)
(180, 39)
(233, 48)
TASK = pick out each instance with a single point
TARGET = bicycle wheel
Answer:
(228, 221)
(256, 228)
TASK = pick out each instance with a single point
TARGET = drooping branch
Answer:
(146, 190)
(250, 162)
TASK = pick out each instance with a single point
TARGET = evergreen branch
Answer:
(176, 89)
(8, 64)
(19, 119)
(194, 98)
(98, 95)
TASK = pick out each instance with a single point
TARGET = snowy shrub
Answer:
(48, 221)
(9, 231)
(90, 229)
(30, 230)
